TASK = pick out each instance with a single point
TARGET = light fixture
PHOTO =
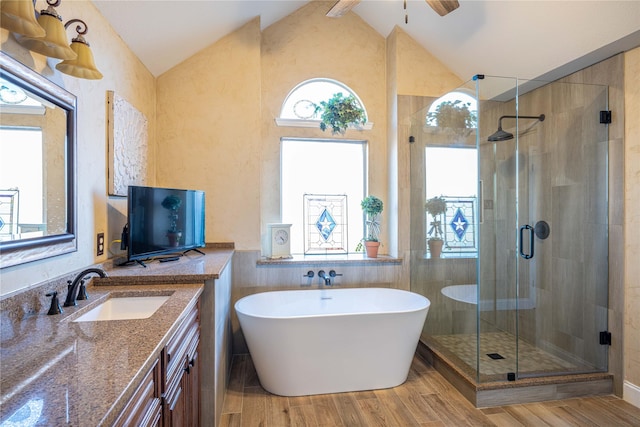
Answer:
(54, 43)
(83, 66)
(19, 16)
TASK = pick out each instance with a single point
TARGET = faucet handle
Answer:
(333, 273)
(82, 291)
(309, 274)
(55, 304)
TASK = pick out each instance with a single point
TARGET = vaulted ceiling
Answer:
(519, 38)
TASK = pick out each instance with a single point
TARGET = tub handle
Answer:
(333, 273)
(309, 274)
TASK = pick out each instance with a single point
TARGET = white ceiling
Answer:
(519, 38)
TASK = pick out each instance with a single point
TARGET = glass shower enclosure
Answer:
(520, 288)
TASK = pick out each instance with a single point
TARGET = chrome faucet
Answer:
(72, 290)
(323, 275)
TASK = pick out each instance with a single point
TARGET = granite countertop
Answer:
(58, 372)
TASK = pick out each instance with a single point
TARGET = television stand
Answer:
(193, 249)
(123, 262)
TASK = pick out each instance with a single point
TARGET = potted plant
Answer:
(453, 114)
(372, 208)
(436, 206)
(173, 203)
(339, 112)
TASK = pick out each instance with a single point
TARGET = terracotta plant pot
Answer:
(435, 248)
(372, 249)
(174, 238)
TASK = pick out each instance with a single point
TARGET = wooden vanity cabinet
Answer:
(169, 395)
(145, 406)
(181, 374)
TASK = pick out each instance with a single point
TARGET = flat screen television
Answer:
(162, 221)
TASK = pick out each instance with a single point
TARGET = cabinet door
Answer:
(175, 415)
(144, 409)
(182, 382)
(192, 384)
(183, 404)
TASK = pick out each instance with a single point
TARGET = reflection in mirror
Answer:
(37, 140)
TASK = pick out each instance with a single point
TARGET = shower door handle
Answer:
(531, 239)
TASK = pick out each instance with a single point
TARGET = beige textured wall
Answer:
(393, 202)
(420, 73)
(124, 73)
(632, 220)
(209, 133)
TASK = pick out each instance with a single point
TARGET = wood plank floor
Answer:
(425, 399)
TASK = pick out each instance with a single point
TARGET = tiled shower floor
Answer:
(462, 349)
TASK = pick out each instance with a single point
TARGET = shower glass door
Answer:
(543, 263)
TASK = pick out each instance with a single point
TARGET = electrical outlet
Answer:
(100, 244)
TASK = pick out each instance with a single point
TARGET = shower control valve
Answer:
(309, 274)
(333, 273)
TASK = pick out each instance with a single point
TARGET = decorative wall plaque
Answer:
(127, 132)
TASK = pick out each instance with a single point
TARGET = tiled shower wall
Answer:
(561, 174)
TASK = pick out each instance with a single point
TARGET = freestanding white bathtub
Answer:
(307, 342)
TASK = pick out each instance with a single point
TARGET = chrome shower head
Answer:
(501, 135)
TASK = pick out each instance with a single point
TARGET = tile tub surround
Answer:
(98, 365)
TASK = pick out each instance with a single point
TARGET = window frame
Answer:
(365, 175)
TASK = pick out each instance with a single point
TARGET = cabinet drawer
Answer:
(181, 347)
(144, 407)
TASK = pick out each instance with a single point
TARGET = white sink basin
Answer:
(124, 308)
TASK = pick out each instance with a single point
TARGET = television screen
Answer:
(163, 221)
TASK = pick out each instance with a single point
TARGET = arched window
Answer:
(322, 203)
(454, 110)
(451, 173)
(302, 107)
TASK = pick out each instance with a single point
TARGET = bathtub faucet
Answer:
(323, 275)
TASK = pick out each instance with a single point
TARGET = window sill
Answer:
(346, 259)
(315, 124)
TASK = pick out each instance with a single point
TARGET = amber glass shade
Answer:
(83, 66)
(55, 43)
(19, 16)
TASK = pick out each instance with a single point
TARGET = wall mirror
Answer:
(37, 166)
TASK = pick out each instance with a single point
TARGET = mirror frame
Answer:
(15, 252)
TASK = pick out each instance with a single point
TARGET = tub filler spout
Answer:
(323, 276)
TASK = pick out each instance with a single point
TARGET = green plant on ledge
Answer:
(435, 207)
(372, 207)
(339, 112)
(453, 114)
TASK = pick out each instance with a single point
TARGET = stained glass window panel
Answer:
(325, 167)
(325, 224)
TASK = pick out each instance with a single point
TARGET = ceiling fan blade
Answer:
(341, 7)
(442, 7)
